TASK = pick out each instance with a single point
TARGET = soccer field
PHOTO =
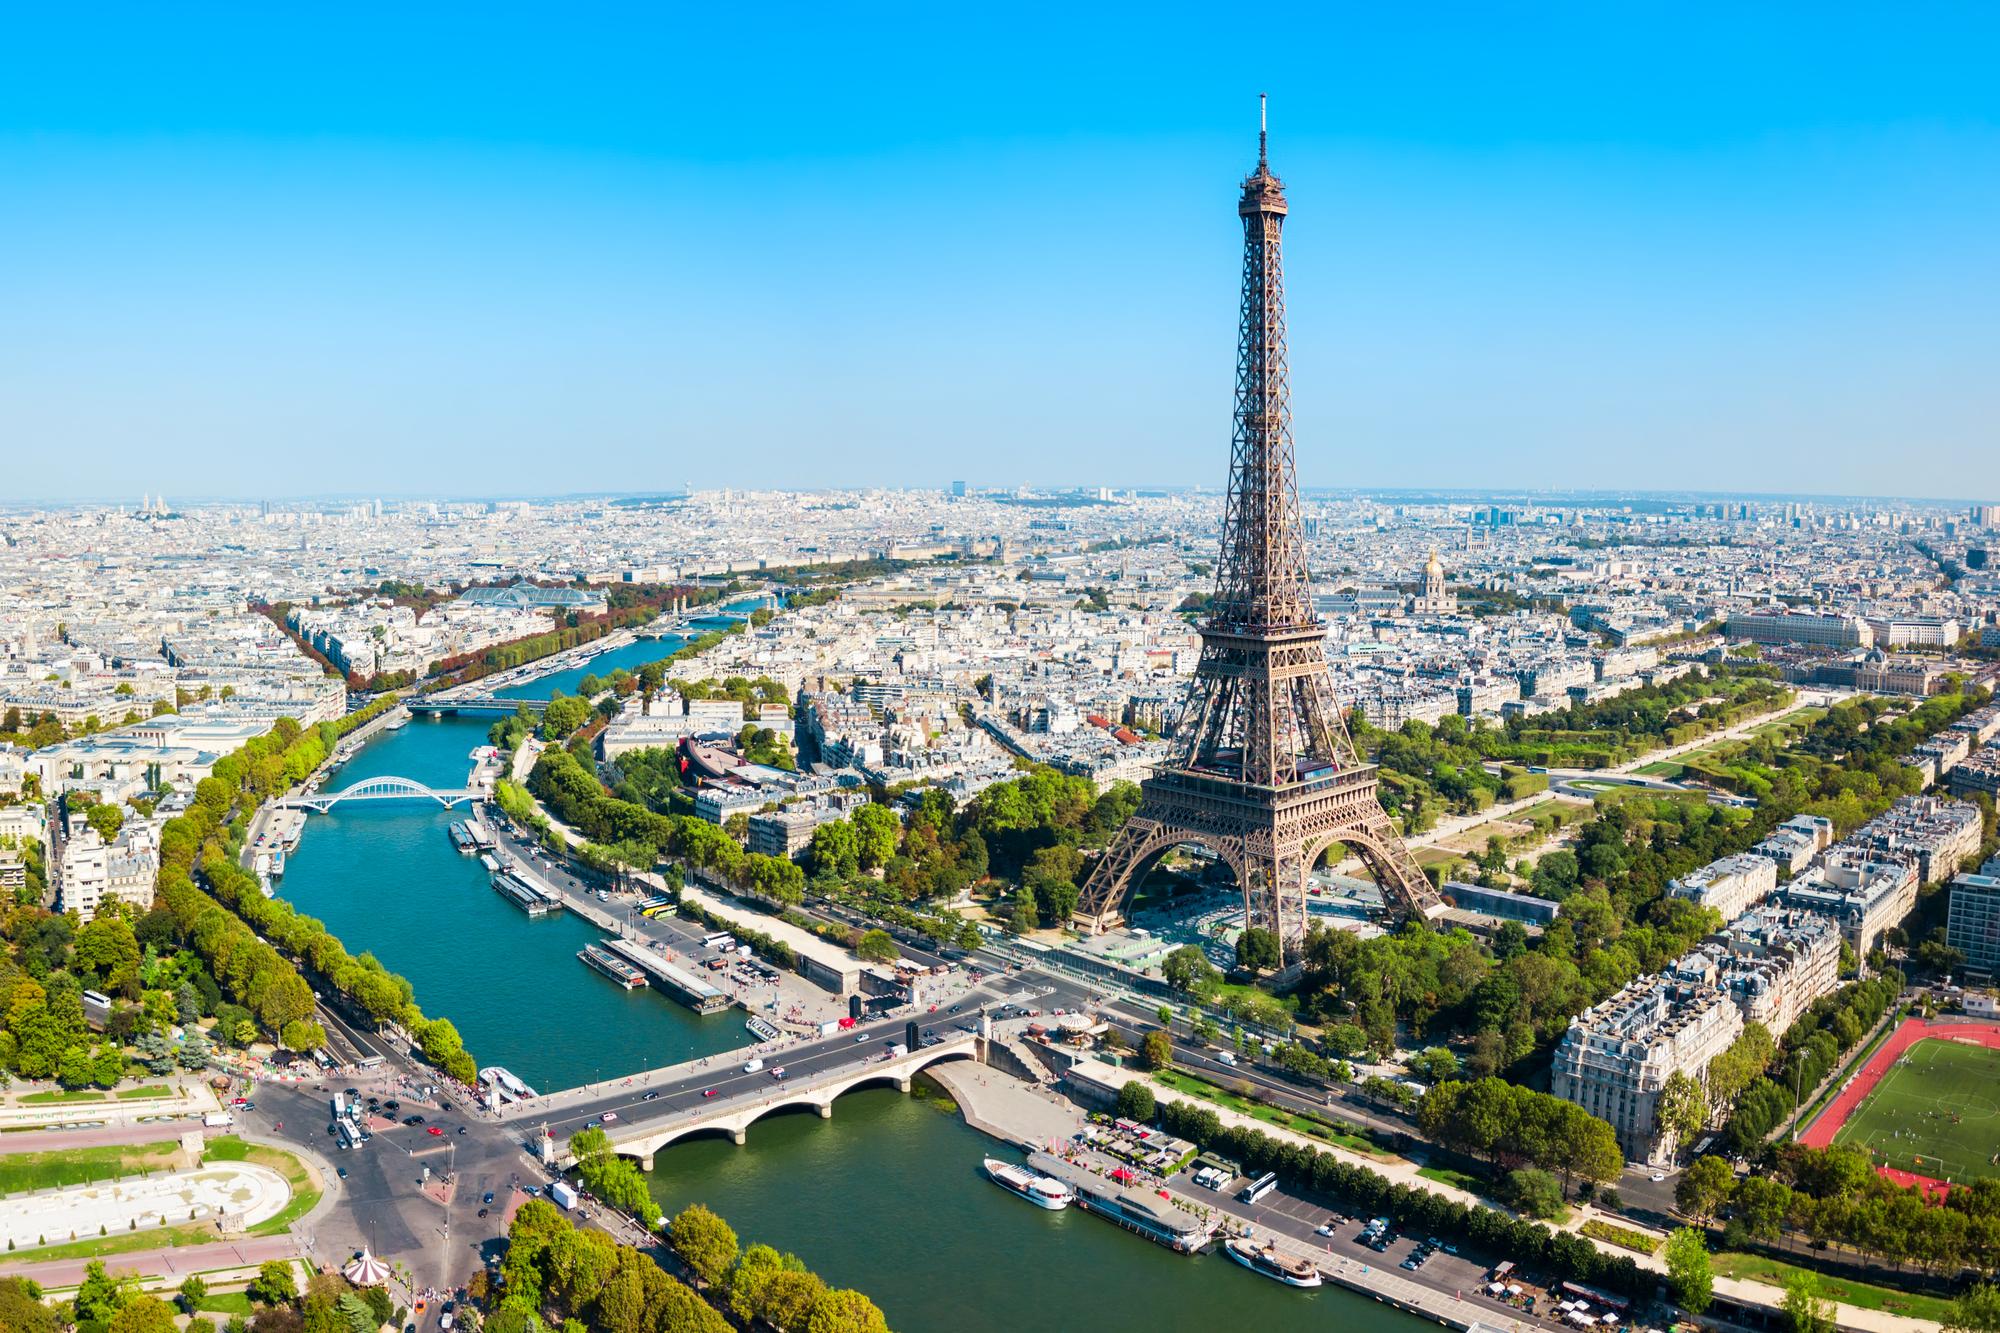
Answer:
(1936, 1112)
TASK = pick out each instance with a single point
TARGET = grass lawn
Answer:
(125, 1242)
(225, 1302)
(1460, 1180)
(1311, 1126)
(1861, 1295)
(78, 1166)
(1936, 1112)
(151, 1090)
(1661, 768)
(55, 1095)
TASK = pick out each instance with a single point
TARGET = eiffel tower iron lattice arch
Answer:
(1263, 771)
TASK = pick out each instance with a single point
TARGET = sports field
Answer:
(1935, 1112)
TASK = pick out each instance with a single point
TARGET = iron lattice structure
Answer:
(1264, 772)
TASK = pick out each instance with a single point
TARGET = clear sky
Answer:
(289, 250)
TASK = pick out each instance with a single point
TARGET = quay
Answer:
(681, 984)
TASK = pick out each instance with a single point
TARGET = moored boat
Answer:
(1267, 1262)
(1038, 1189)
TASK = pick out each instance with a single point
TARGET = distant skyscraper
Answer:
(958, 490)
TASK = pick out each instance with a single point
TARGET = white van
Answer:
(1227, 1057)
(753, 1064)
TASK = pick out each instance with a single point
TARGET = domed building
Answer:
(1435, 599)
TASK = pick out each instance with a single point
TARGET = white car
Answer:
(1659, 1176)
(610, 1117)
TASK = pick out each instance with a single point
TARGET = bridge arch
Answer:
(382, 788)
(737, 1123)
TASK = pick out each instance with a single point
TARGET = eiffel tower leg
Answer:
(1101, 905)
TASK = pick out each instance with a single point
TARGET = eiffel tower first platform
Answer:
(1263, 771)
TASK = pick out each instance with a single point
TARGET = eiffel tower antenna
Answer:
(1263, 771)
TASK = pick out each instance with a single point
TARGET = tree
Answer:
(1157, 1050)
(1434, 1065)
(194, 1050)
(843, 1311)
(875, 830)
(970, 937)
(1977, 1311)
(877, 946)
(192, 1291)
(100, 1296)
(153, 1052)
(303, 1035)
(1704, 1187)
(1187, 968)
(144, 1314)
(1683, 1106)
(1024, 917)
(1535, 1192)
(106, 819)
(1136, 1102)
(1805, 1309)
(21, 1308)
(1257, 950)
(274, 1284)
(1690, 1280)
(704, 1242)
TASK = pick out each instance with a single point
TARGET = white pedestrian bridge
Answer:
(384, 788)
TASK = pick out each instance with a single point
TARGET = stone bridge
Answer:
(734, 1115)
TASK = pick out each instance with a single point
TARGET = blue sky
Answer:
(487, 248)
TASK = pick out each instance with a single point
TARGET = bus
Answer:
(721, 939)
(1259, 1187)
(350, 1135)
(339, 1106)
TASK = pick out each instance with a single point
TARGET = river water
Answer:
(885, 1197)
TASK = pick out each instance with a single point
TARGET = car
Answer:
(486, 1197)
(954, 1009)
(248, 1106)
(352, 1092)
(413, 1120)
(593, 1123)
(240, 1101)
(333, 1129)
(778, 1073)
(651, 1096)
(340, 1171)
(610, 1117)
(484, 1211)
(532, 1191)
(461, 1129)
(393, 1105)
(708, 1092)
(1323, 1229)
(860, 1038)
(435, 1132)
(1659, 1176)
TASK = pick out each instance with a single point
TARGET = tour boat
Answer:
(1269, 1263)
(1038, 1189)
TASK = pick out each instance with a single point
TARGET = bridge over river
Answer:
(718, 1095)
(384, 788)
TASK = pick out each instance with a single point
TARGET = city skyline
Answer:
(1528, 259)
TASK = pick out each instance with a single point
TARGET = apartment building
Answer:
(1793, 844)
(1731, 885)
(1973, 924)
(93, 870)
(1773, 963)
(1617, 1055)
(1936, 834)
(1862, 895)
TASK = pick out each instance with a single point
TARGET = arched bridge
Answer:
(379, 789)
(733, 1115)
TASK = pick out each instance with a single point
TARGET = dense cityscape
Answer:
(1509, 908)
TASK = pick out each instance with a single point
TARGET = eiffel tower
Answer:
(1264, 772)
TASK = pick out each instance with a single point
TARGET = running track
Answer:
(1913, 1030)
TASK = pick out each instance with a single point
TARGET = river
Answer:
(885, 1197)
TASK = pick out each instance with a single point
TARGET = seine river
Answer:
(885, 1197)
